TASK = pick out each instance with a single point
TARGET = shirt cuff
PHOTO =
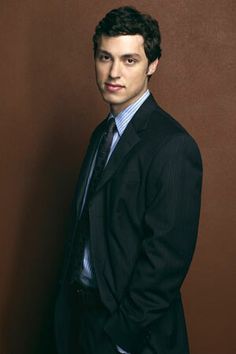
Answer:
(120, 350)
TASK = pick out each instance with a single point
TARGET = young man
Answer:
(136, 209)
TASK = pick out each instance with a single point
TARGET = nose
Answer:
(114, 70)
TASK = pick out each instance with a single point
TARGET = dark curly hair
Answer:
(129, 21)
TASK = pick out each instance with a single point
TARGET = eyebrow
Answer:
(128, 55)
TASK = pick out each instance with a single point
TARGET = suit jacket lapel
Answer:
(128, 140)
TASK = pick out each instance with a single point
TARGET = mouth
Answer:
(113, 87)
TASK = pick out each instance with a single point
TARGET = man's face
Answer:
(122, 70)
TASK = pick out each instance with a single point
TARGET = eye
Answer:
(131, 61)
(104, 57)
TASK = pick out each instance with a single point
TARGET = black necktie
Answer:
(82, 232)
(102, 156)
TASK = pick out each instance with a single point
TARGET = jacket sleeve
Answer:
(171, 223)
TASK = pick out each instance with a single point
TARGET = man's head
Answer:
(129, 21)
(126, 51)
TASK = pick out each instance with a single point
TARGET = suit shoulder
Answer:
(165, 128)
(162, 120)
(163, 135)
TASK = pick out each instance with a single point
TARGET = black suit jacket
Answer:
(143, 220)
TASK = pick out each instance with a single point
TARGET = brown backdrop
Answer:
(48, 107)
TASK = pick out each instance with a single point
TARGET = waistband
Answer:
(84, 297)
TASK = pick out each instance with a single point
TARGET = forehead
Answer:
(121, 45)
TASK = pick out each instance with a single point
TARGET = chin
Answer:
(111, 100)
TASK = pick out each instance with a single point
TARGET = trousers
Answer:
(88, 335)
(88, 319)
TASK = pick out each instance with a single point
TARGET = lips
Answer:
(113, 87)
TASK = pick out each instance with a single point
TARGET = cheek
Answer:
(138, 79)
(100, 72)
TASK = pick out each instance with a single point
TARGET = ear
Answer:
(152, 67)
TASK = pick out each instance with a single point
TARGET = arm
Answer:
(171, 222)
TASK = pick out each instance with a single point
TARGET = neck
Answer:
(116, 109)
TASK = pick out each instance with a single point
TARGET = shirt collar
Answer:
(124, 117)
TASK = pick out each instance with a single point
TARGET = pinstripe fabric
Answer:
(122, 120)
